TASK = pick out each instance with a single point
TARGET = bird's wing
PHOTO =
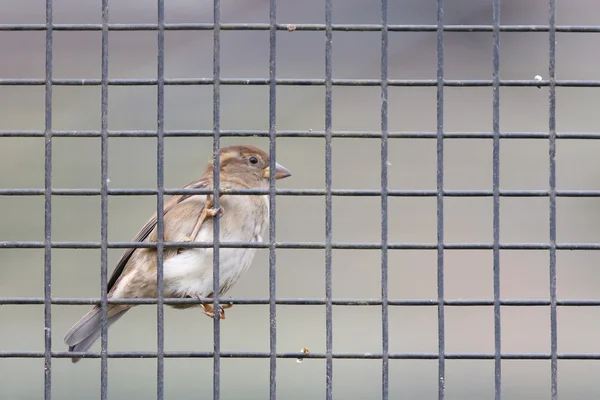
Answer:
(149, 227)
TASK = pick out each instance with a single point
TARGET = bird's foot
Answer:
(212, 212)
(210, 311)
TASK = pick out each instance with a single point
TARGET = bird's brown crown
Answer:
(242, 155)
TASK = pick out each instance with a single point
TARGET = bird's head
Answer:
(247, 164)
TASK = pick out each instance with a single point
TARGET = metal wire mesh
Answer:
(440, 193)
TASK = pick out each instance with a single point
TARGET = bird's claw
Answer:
(209, 310)
(214, 211)
(207, 212)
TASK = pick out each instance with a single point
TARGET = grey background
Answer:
(300, 273)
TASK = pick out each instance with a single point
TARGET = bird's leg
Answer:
(207, 211)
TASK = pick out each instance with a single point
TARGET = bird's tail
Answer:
(88, 329)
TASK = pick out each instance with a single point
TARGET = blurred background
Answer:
(356, 165)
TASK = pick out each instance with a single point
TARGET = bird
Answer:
(188, 272)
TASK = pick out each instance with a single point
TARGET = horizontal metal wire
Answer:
(306, 192)
(306, 301)
(303, 245)
(303, 134)
(316, 355)
(301, 82)
(300, 27)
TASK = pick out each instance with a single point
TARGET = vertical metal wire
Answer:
(216, 183)
(328, 203)
(272, 220)
(440, 201)
(104, 206)
(552, 198)
(48, 210)
(160, 157)
(496, 200)
(385, 369)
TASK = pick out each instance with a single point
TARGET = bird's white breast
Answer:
(190, 273)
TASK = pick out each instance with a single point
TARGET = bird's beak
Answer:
(280, 172)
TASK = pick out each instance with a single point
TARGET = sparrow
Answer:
(188, 272)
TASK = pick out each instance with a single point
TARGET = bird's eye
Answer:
(253, 160)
